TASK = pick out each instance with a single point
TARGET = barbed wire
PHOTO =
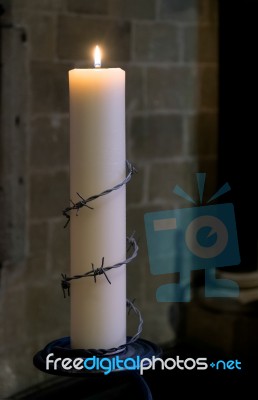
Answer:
(84, 202)
(62, 347)
(102, 270)
(102, 352)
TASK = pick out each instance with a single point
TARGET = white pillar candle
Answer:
(97, 163)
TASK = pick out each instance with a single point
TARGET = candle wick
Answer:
(97, 58)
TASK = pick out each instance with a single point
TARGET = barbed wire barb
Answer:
(102, 270)
(84, 202)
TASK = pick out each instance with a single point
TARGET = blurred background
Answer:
(190, 74)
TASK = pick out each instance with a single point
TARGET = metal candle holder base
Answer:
(135, 351)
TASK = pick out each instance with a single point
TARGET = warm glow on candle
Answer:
(97, 57)
(97, 161)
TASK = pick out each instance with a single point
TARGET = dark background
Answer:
(191, 107)
(237, 118)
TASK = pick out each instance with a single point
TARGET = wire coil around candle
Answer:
(84, 202)
(62, 349)
(135, 348)
(65, 282)
(112, 351)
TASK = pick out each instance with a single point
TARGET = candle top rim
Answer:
(96, 69)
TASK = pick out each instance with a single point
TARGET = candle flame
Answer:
(97, 57)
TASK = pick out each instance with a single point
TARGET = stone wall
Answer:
(168, 49)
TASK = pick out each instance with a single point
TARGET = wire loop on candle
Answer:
(114, 350)
(131, 306)
(84, 202)
(102, 352)
(65, 282)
